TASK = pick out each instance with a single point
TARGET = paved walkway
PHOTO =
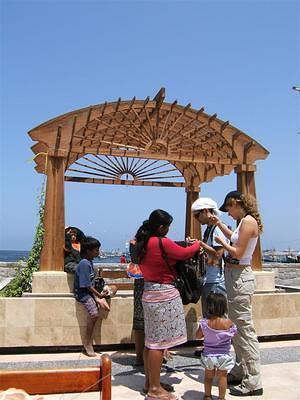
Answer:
(280, 371)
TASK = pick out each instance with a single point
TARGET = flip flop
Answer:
(168, 396)
(166, 386)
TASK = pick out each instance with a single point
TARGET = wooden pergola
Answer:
(138, 142)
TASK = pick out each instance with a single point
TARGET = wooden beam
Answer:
(247, 148)
(171, 134)
(224, 126)
(166, 120)
(71, 140)
(123, 182)
(52, 256)
(211, 118)
(160, 95)
(159, 99)
(58, 140)
(192, 226)
(157, 156)
(88, 117)
(245, 168)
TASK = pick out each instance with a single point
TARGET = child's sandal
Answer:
(206, 397)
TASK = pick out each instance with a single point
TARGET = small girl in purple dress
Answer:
(217, 331)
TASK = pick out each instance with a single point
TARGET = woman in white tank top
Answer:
(240, 286)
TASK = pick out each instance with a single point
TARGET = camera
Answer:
(230, 260)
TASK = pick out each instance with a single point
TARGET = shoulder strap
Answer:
(209, 231)
(164, 256)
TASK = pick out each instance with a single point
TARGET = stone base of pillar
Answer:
(52, 282)
(265, 281)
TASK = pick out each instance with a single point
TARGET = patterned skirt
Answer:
(164, 318)
(138, 312)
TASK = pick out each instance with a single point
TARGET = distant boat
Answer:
(292, 259)
(269, 258)
(286, 256)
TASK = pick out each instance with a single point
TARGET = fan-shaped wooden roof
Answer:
(144, 142)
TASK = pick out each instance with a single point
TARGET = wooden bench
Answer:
(64, 380)
(113, 275)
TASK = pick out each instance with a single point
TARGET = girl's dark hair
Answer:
(216, 304)
(150, 228)
(89, 243)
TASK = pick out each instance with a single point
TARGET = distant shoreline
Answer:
(14, 256)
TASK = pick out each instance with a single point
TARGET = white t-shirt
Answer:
(247, 256)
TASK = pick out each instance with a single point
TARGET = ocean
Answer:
(13, 255)
(17, 255)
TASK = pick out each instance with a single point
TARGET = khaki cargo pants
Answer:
(240, 285)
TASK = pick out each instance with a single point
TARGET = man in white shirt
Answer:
(202, 209)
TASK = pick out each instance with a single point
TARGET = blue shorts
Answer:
(223, 362)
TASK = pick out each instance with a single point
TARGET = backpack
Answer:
(190, 278)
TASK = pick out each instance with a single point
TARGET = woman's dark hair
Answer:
(216, 304)
(89, 243)
(150, 228)
(80, 237)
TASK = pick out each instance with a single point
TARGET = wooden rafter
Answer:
(130, 132)
(115, 167)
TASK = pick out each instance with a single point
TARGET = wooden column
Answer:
(246, 184)
(52, 257)
(192, 226)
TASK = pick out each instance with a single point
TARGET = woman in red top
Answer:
(163, 310)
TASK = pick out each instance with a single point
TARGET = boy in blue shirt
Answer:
(85, 292)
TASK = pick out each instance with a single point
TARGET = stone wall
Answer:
(51, 316)
(61, 321)
(284, 273)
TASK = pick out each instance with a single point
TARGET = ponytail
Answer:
(149, 228)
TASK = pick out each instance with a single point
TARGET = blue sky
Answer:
(239, 59)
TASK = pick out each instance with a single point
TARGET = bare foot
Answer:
(89, 350)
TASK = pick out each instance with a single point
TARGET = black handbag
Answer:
(190, 275)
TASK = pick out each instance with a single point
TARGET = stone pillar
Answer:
(52, 257)
(192, 226)
(246, 185)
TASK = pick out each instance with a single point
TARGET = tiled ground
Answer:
(280, 371)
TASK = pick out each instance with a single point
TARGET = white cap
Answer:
(205, 203)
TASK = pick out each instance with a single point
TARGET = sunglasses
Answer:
(196, 214)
